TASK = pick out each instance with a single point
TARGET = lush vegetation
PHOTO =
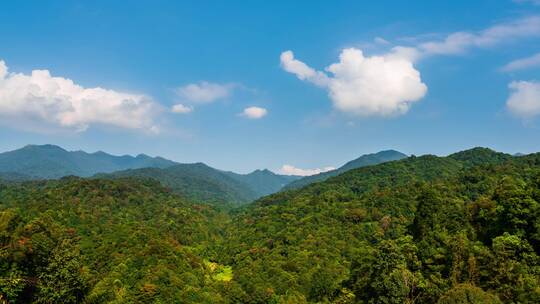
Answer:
(461, 229)
(362, 161)
(458, 229)
(119, 241)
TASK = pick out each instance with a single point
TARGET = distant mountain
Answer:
(195, 181)
(264, 182)
(201, 183)
(49, 161)
(362, 161)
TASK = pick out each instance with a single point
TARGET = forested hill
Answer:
(457, 229)
(197, 182)
(105, 241)
(49, 161)
(362, 161)
(201, 183)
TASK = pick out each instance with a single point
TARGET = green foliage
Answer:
(103, 241)
(468, 294)
(420, 230)
(457, 229)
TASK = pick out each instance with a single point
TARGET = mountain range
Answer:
(50, 162)
(197, 181)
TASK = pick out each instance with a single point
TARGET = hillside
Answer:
(201, 183)
(362, 161)
(49, 161)
(102, 241)
(424, 230)
(197, 182)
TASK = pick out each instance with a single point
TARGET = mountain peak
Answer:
(46, 147)
(262, 171)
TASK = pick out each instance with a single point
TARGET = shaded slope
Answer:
(264, 182)
(197, 182)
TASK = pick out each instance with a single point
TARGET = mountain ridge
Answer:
(51, 161)
(362, 161)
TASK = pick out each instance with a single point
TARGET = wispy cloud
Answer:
(181, 109)
(522, 63)
(460, 42)
(204, 92)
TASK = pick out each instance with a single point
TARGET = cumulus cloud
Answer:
(292, 170)
(383, 85)
(181, 109)
(39, 101)
(254, 112)
(460, 42)
(523, 63)
(204, 92)
(524, 99)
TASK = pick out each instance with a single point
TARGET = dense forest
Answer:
(458, 229)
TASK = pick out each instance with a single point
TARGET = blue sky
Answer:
(420, 77)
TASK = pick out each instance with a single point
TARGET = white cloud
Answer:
(204, 92)
(302, 70)
(383, 85)
(380, 40)
(460, 42)
(292, 170)
(523, 63)
(181, 109)
(39, 101)
(254, 112)
(524, 99)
